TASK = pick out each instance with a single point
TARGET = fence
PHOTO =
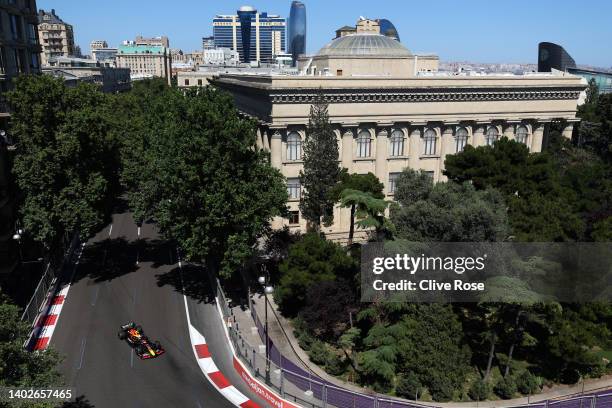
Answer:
(296, 384)
(41, 294)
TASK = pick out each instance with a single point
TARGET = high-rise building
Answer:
(20, 54)
(296, 30)
(551, 56)
(388, 29)
(258, 37)
(208, 43)
(146, 58)
(375, 26)
(55, 36)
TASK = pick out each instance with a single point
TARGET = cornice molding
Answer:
(423, 95)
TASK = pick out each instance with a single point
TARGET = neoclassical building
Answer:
(391, 110)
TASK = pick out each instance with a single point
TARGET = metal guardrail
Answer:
(43, 290)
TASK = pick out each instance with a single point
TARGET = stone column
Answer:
(347, 148)
(508, 130)
(446, 146)
(537, 137)
(276, 149)
(382, 148)
(478, 135)
(259, 141)
(567, 132)
(266, 139)
(415, 148)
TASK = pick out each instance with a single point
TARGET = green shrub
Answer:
(479, 390)
(409, 386)
(318, 352)
(527, 383)
(441, 387)
(505, 388)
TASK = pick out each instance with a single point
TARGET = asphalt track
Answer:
(109, 289)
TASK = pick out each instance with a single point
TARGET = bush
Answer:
(479, 390)
(409, 386)
(318, 352)
(441, 387)
(527, 383)
(505, 388)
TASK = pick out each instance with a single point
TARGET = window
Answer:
(429, 142)
(14, 26)
(429, 174)
(199, 82)
(186, 82)
(294, 146)
(294, 188)
(521, 134)
(35, 64)
(393, 177)
(338, 72)
(491, 136)
(397, 143)
(294, 217)
(364, 144)
(461, 137)
(32, 37)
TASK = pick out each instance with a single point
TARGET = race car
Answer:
(136, 338)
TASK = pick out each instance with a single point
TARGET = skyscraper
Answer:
(256, 36)
(387, 28)
(552, 55)
(297, 30)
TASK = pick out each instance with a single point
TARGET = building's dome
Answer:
(247, 8)
(355, 45)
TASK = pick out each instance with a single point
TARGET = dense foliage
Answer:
(189, 163)
(66, 163)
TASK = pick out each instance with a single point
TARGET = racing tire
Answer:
(122, 335)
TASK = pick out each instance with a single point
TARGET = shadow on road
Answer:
(194, 281)
(80, 402)
(112, 258)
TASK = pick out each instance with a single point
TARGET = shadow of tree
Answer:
(194, 282)
(80, 402)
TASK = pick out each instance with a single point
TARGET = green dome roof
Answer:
(356, 45)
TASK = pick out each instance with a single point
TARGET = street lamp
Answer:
(263, 281)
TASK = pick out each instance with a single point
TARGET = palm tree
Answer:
(368, 210)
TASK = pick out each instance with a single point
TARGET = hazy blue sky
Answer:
(475, 30)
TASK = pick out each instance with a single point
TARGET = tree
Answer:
(321, 170)
(447, 212)
(311, 261)
(65, 162)
(19, 367)
(368, 210)
(366, 188)
(201, 179)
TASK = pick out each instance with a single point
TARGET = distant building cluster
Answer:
(146, 57)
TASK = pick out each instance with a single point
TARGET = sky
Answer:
(456, 30)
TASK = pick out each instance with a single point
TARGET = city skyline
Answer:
(511, 35)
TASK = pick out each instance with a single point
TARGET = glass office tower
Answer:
(255, 36)
(388, 29)
(297, 30)
(552, 55)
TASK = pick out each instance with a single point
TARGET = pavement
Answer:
(122, 278)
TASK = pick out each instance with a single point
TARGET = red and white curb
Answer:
(49, 316)
(216, 377)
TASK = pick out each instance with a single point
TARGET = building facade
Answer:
(145, 61)
(55, 36)
(603, 80)
(208, 43)
(386, 123)
(296, 30)
(106, 56)
(97, 44)
(257, 37)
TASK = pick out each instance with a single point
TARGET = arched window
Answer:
(294, 146)
(461, 137)
(521, 134)
(491, 136)
(429, 142)
(364, 144)
(397, 143)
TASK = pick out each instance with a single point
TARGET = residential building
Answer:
(395, 113)
(19, 54)
(74, 70)
(553, 56)
(55, 36)
(157, 41)
(146, 59)
(97, 44)
(208, 43)
(296, 30)
(257, 37)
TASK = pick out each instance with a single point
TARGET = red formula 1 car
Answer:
(144, 347)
